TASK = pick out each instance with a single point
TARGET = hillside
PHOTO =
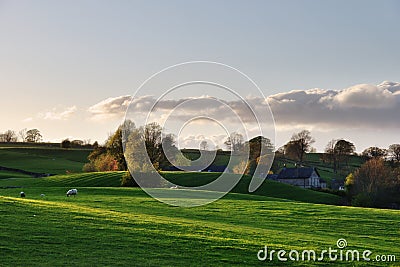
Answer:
(105, 226)
(44, 159)
(50, 158)
(311, 160)
(59, 161)
(113, 179)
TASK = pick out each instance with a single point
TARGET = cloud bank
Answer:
(359, 106)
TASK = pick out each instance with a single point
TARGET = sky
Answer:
(332, 67)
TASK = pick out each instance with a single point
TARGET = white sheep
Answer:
(42, 195)
(72, 192)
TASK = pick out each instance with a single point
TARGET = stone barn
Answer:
(301, 177)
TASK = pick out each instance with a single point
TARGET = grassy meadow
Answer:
(106, 225)
(43, 159)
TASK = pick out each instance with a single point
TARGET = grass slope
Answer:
(8, 174)
(113, 179)
(268, 188)
(125, 227)
(45, 160)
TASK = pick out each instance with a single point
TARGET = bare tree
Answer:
(235, 142)
(394, 152)
(299, 144)
(22, 134)
(203, 145)
(9, 136)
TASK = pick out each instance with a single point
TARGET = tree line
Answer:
(24, 135)
(35, 136)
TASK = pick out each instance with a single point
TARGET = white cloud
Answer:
(60, 115)
(110, 107)
(365, 96)
(29, 119)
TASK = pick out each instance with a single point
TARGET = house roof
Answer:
(296, 173)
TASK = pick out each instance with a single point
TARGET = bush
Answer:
(66, 144)
(127, 180)
(103, 163)
(89, 167)
(106, 163)
(363, 200)
(146, 179)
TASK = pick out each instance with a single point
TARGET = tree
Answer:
(374, 183)
(95, 144)
(152, 139)
(115, 143)
(115, 149)
(66, 143)
(22, 134)
(259, 144)
(394, 152)
(234, 142)
(299, 144)
(167, 151)
(374, 152)
(33, 136)
(8, 136)
(240, 168)
(203, 145)
(77, 143)
(148, 140)
(292, 150)
(338, 151)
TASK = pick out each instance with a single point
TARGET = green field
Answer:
(44, 160)
(49, 158)
(106, 225)
(120, 226)
(113, 179)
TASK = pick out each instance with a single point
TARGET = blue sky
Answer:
(62, 57)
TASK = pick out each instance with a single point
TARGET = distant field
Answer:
(7, 174)
(268, 188)
(311, 160)
(113, 179)
(44, 160)
(50, 158)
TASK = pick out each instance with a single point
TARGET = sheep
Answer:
(72, 192)
(22, 194)
(42, 195)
